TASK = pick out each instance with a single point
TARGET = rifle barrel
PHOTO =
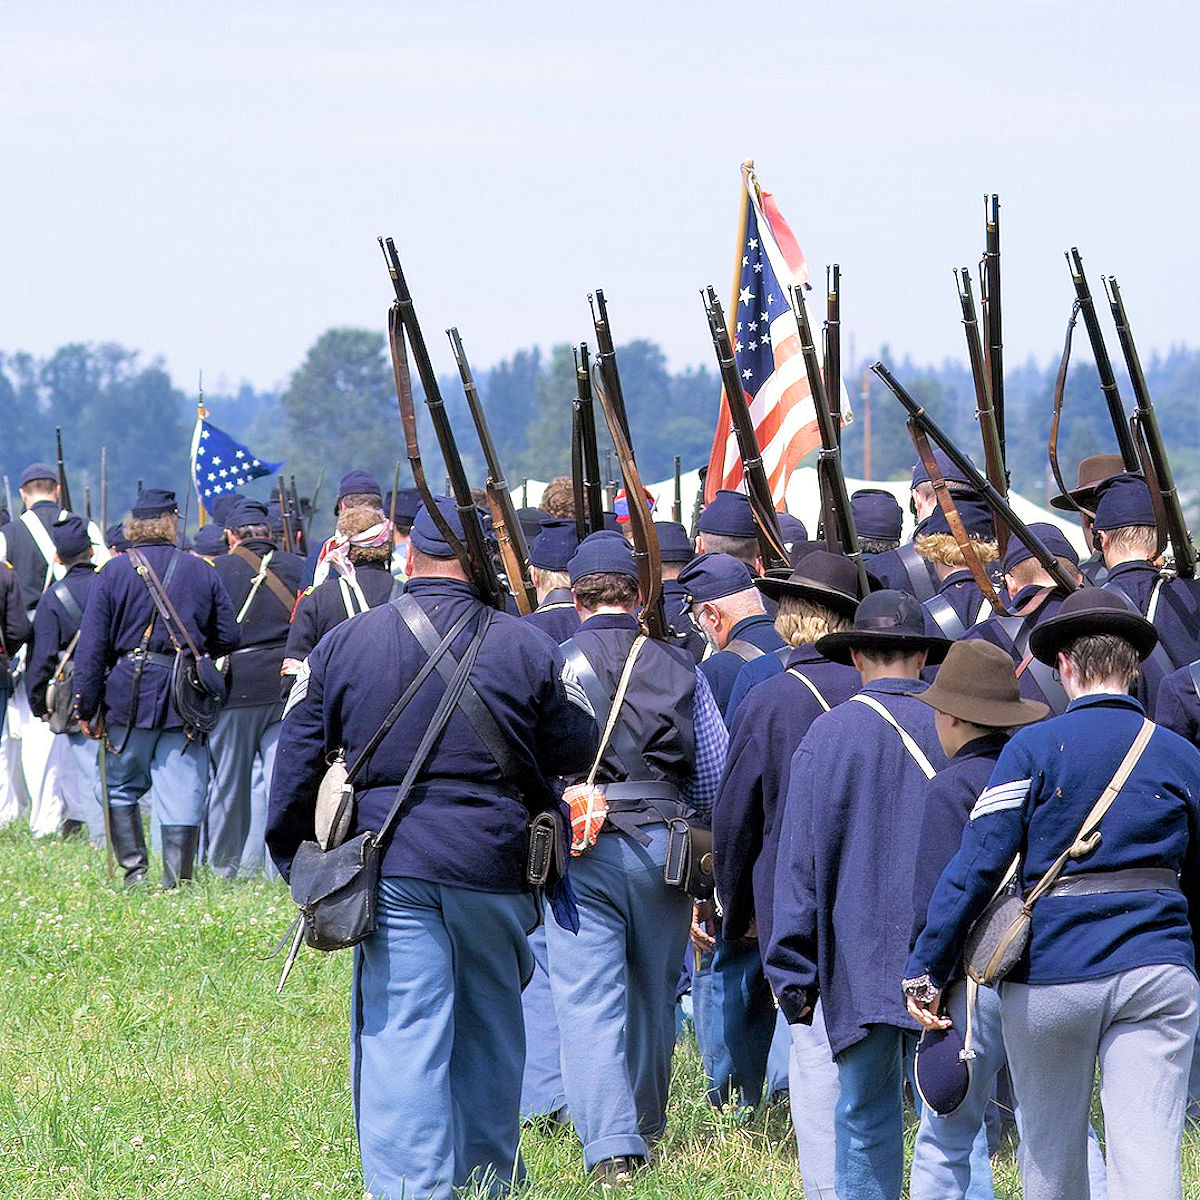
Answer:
(64, 491)
(992, 313)
(593, 486)
(993, 453)
(833, 347)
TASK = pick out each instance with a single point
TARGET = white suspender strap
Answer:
(45, 544)
(812, 687)
(263, 563)
(352, 595)
(1152, 607)
(918, 755)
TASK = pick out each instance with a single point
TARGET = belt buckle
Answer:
(137, 655)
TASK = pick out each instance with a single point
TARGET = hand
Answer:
(926, 1012)
(93, 728)
(704, 927)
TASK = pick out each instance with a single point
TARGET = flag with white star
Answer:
(221, 465)
(766, 343)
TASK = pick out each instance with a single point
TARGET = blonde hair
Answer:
(1133, 539)
(163, 528)
(543, 577)
(801, 622)
(942, 548)
(558, 498)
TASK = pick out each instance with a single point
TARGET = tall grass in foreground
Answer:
(144, 1053)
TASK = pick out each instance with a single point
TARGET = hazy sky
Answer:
(206, 180)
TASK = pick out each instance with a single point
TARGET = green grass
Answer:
(144, 1053)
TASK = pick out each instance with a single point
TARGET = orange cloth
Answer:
(589, 810)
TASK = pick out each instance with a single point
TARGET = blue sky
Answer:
(205, 181)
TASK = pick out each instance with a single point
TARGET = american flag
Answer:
(767, 347)
(221, 465)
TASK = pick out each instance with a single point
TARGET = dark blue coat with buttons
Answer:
(53, 629)
(466, 822)
(721, 669)
(556, 615)
(118, 611)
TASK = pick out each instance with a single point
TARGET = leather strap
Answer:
(486, 727)
(915, 751)
(812, 687)
(945, 616)
(1159, 655)
(743, 649)
(149, 656)
(45, 544)
(621, 742)
(1194, 672)
(352, 596)
(157, 588)
(1018, 627)
(1132, 879)
(62, 594)
(917, 570)
(641, 789)
(614, 709)
(263, 573)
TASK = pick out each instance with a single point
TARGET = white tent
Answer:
(803, 501)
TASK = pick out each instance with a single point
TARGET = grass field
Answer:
(144, 1053)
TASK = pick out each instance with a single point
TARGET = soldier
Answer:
(614, 982)
(959, 602)
(558, 498)
(408, 500)
(437, 1040)
(843, 909)
(726, 526)
(676, 550)
(262, 582)
(365, 540)
(356, 489)
(1128, 536)
(209, 541)
(1033, 596)
(548, 558)
(1091, 473)
(728, 609)
(124, 662)
(879, 520)
(56, 629)
(14, 632)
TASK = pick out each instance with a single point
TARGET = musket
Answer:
(104, 494)
(758, 489)
(8, 503)
(839, 522)
(476, 560)
(283, 517)
(998, 504)
(525, 492)
(677, 502)
(395, 489)
(990, 273)
(993, 454)
(298, 541)
(1108, 381)
(833, 346)
(312, 504)
(578, 498)
(64, 492)
(592, 508)
(187, 506)
(1151, 450)
(653, 616)
(610, 484)
(87, 503)
(698, 503)
(514, 552)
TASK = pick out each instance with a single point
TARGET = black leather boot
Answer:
(129, 842)
(179, 852)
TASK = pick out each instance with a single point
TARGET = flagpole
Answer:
(201, 416)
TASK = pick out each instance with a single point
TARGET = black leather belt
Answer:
(1132, 879)
(641, 789)
(150, 656)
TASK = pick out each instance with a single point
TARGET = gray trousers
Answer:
(813, 1090)
(240, 736)
(1140, 1026)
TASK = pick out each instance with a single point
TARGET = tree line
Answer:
(339, 410)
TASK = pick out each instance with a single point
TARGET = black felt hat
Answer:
(820, 576)
(887, 620)
(1091, 611)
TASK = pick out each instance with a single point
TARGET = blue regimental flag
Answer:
(220, 464)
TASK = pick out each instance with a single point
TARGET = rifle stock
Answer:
(1144, 424)
(833, 346)
(758, 489)
(998, 504)
(514, 553)
(478, 560)
(64, 491)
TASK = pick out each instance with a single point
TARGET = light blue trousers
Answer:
(614, 992)
(542, 1092)
(165, 760)
(813, 1088)
(437, 1045)
(85, 752)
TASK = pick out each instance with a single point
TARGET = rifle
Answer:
(677, 503)
(592, 508)
(514, 553)
(833, 347)
(578, 500)
(64, 492)
(1151, 450)
(925, 424)
(610, 484)
(472, 551)
(283, 517)
(646, 553)
(104, 494)
(87, 503)
(990, 279)
(8, 504)
(758, 489)
(298, 540)
(187, 506)
(698, 503)
(1108, 381)
(839, 518)
(993, 454)
(395, 489)
(312, 504)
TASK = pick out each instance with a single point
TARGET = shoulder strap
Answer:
(812, 687)
(918, 755)
(623, 746)
(1018, 627)
(263, 573)
(456, 687)
(947, 620)
(614, 710)
(65, 656)
(62, 594)
(430, 663)
(1194, 672)
(485, 725)
(917, 571)
(1088, 837)
(45, 544)
(157, 588)
(352, 595)
(743, 649)
(1159, 655)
